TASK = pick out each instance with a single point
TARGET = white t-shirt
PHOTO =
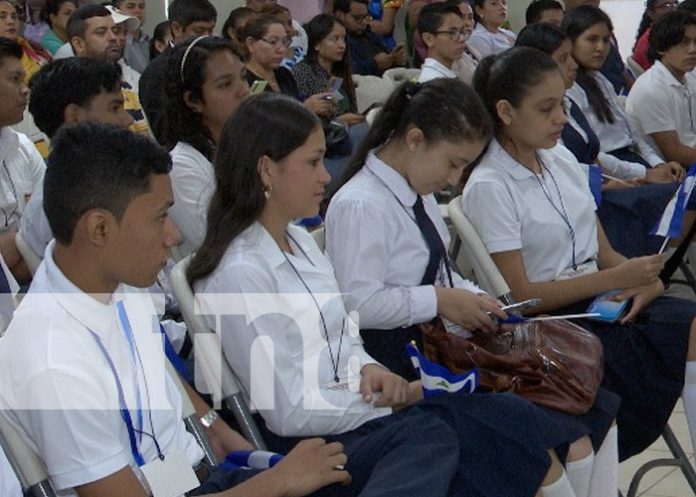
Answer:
(660, 102)
(57, 389)
(486, 43)
(378, 251)
(273, 335)
(193, 184)
(510, 211)
(21, 169)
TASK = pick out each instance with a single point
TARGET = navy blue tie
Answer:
(584, 151)
(432, 238)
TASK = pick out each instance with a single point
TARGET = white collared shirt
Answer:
(57, 388)
(378, 251)
(621, 133)
(433, 69)
(486, 43)
(660, 102)
(193, 183)
(510, 211)
(21, 169)
(34, 227)
(292, 371)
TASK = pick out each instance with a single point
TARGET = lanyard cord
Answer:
(14, 191)
(562, 211)
(334, 362)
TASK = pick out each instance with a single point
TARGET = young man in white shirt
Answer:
(444, 32)
(83, 376)
(137, 52)
(661, 103)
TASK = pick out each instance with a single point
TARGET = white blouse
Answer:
(486, 43)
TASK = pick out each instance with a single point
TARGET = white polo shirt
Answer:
(433, 69)
(21, 169)
(57, 388)
(486, 43)
(510, 211)
(660, 102)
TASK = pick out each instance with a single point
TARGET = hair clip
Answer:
(186, 54)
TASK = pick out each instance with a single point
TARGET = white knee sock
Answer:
(605, 472)
(689, 398)
(559, 488)
(580, 473)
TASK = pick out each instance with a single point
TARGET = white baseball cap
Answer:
(132, 23)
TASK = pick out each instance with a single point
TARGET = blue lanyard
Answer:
(123, 407)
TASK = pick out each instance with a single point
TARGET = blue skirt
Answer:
(644, 364)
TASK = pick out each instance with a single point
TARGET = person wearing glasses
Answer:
(653, 10)
(444, 32)
(368, 52)
(661, 102)
(266, 43)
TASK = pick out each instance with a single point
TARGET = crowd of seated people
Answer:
(214, 141)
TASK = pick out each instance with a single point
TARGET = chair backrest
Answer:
(371, 90)
(398, 75)
(30, 257)
(486, 272)
(218, 375)
(319, 236)
(30, 470)
(634, 67)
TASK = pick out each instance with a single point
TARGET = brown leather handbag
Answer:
(555, 364)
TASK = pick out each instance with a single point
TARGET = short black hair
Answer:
(236, 14)
(688, 5)
(9, 48)
(75, 80)
(668, 31)
(186, 12)
(97, 166)
(433, 15)
(344, 5)
(76, 23)
(543, 36)
(537, 7)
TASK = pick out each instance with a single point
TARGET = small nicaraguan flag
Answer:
(670, 224)
(254, 459)
(595, 179)
(437, 379)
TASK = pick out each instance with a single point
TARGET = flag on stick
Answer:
(670, 224)
(437, 379)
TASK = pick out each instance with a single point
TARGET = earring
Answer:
(267, 192)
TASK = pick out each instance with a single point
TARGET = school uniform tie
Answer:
(584, 151)
(432, 238)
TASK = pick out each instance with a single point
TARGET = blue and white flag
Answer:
(254, 459)
(437, 379)
(670, 224)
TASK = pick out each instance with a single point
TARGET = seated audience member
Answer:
(382, 17)
(189, 18)
(92, 35)
(444, 32)
(87, 292)
(33, 55)
(22, 166)
(69, 91)
(550, 11)
(589, 30)
(137, 51)
(235, 22)
(368, 53)
(531, 204)
(293, 54)
(257, 5)
(414, 42)
(205, 84)
(56, 13)
(161, 38)
(271, 150)
(653, 10)
(488, 36)
(662, 105)
(466, 65)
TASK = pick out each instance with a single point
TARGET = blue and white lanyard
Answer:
(123, 407)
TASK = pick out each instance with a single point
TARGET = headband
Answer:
(186, 54)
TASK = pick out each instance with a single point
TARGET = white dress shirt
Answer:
(614, 136)
(486, 43)
(660, 102)
(21, 169)
(510, 211)
(379, 252)
(433, 69)
(193, 184)
(57, 388)
(276, 342)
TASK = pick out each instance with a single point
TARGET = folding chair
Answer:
(490, 279)
(30, 257)
(217, 373)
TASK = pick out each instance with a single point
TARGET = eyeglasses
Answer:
(358, 17)
(454, 34)
(277, 42)
(666, 5)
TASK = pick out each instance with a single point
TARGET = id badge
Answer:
(171, 477)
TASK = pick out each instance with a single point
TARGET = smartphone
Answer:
(609, 310)
(521, 306)
(258, 86)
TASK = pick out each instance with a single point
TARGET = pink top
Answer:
(640, 52)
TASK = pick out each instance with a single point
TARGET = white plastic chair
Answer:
(371, 90)
(398, 75)
(634, 67)
(217, 373)
(30, 257)
(490, 279)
